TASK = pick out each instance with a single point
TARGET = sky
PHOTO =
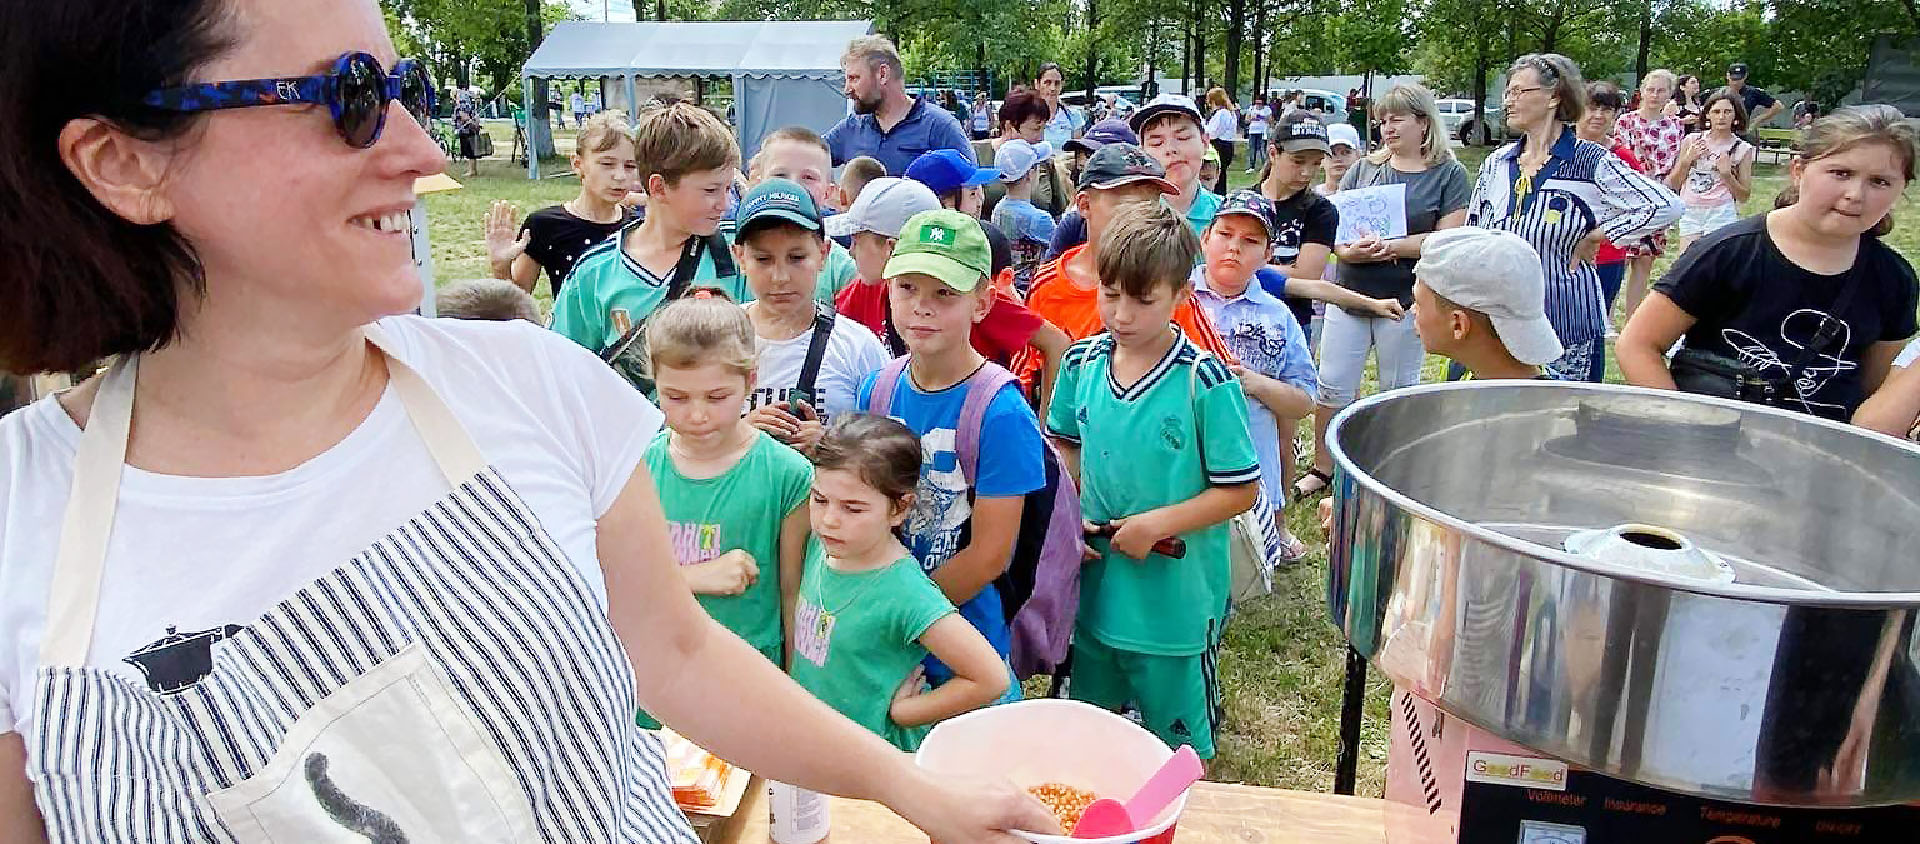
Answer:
(618, 10)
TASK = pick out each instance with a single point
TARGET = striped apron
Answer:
(456, 681)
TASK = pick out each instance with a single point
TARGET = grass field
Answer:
(1282, 665)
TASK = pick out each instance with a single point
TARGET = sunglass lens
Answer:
(363, 101)
(416, 91)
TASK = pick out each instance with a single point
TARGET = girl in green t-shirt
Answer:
(734, 497)
(867, 615)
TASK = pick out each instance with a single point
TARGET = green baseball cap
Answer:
(945, 244)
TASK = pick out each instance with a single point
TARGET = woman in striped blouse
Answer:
(1565, 196)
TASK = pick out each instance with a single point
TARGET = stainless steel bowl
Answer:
(1794, 685)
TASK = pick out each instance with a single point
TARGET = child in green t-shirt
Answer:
(866, 615)
(734, 497)
(1155, 430)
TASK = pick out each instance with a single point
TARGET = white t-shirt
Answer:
(1257, 118)
(197, 553)
(1224, 125)
(852, 352)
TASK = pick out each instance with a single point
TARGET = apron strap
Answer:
(74, 593)
(87, 527)
(453, 450)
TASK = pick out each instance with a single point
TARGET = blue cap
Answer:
(1112, 130)
(781, 200)
(946, 170)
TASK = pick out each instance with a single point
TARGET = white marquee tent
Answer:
(784, 73)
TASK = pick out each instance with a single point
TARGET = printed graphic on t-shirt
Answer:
(1806, 332)
(763, 396)
(178, 660)
(693, 542)
(622, 321)
(812, 631)
(1258, 349)
(940, 507)
(1286, 240)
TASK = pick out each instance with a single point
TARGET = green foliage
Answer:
(464, 39)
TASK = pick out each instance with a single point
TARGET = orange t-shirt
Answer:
(1077, 312)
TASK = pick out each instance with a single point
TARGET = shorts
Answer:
(1178, 696)
(773, 653)
(1651, 246)
(1698, 221)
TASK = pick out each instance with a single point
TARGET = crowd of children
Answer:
(870, 391)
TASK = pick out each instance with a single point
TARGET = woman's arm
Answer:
(1643, 344)
(1894, 406)
(1409, 246)
(1878, 362)
(1631, 204)
(793, 565)
(19, 817)
(721, 694)
(979, 677)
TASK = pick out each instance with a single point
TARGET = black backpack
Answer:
(628, 355)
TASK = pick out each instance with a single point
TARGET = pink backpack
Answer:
(1040, 591)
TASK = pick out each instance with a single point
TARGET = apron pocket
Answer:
(389, 757)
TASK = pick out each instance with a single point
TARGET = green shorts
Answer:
(1178, 696)
(773, 653)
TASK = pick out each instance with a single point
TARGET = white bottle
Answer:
(799, 816)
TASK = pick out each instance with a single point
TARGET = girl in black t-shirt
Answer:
(1805, 297)
(553, 238)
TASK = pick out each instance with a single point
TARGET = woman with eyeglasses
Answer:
(1565, 196)
(300, 566)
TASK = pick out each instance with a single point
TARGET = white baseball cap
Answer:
(883, 208)
(1016, 157)
(1341, 133)
(1498, 274)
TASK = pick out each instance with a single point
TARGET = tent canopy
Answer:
(809, 49)
(784, 73)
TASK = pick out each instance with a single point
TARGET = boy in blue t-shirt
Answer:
(963, 534)
(1155, 431)
(1029, 228)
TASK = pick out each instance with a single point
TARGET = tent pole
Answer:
(633, 103)
(533, 149)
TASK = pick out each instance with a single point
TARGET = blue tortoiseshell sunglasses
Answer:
(356, 91)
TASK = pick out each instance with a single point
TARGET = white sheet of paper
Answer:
(1379, 211)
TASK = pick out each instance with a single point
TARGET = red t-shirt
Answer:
(1007, 328)
(1056, 299)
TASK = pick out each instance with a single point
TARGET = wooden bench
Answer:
(1778, 143)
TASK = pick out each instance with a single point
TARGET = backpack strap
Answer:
(982, 386)
(816, 352)
(880, 401)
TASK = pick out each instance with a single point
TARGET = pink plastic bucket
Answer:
(1062, 741)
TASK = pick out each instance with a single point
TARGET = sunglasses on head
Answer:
(356, 91)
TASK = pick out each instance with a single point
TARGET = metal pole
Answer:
(533, 147)
(1352, 710)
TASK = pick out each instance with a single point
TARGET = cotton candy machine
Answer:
(1634, 596)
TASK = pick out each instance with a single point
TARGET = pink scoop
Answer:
(1107, 817)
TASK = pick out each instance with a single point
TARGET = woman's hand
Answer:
(1366, 250)
(953, 810)
(1724, 166)
(505, 241)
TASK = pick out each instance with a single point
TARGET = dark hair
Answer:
(1145, 246)
(882, 452)
(1739, 109)
(1604, 94)
(1022, 105)
(83, 282)
(1053, 67)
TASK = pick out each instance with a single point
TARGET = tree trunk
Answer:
(1479, 87)
(1259, 48)
(1093, 49)
(1236, 34)
(1200, 44)
(660, 10)
(1646, 42)
(1186, 54)
(539, 123)
(1153, 56)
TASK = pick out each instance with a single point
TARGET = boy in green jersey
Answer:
(1156, 432)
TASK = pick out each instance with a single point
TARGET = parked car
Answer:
(1457, 114)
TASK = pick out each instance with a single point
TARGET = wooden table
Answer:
(1217, 813)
